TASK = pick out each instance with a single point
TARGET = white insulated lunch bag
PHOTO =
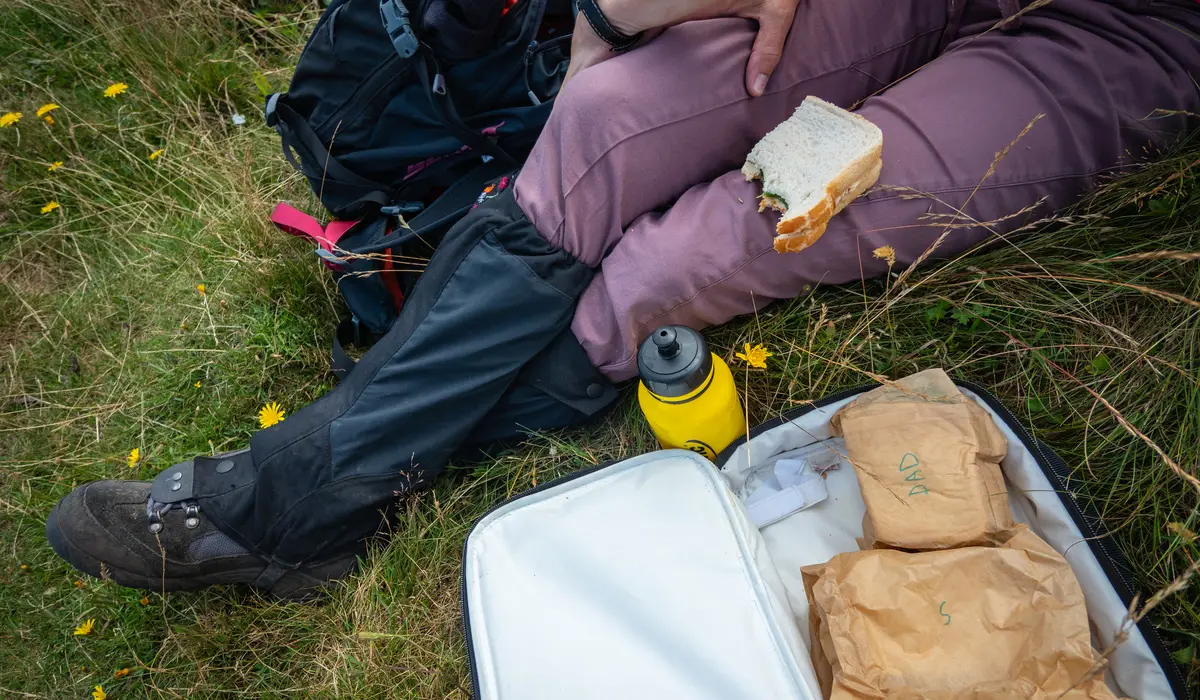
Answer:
(648, 579)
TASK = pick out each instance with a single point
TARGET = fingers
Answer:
(774, 23)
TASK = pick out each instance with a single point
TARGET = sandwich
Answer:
(812, 166)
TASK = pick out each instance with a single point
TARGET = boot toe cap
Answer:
(90, 525)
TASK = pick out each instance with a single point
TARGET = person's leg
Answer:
(289, 513)
(1094, 72)
(630, 135)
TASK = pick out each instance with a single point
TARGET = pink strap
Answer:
(291, 220)
(336, 229)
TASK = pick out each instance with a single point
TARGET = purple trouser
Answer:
(637, 171)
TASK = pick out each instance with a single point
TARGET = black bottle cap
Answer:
(674, 361)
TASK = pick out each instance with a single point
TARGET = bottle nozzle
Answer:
(665, 341)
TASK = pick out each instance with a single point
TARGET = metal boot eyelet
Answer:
(192, 520)
(156, 522)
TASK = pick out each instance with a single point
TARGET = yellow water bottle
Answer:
(687, 393)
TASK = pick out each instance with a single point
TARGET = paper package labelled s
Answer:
(972, 623)
(928, 461)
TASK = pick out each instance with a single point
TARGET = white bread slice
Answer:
(812, 166)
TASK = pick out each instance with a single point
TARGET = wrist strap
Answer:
(604, 29)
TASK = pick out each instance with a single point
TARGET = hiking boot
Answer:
(118, 530)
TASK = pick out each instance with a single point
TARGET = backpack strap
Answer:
(291, 220)
(349, 332)
(456, 201)
(295, 222)
(295, 133)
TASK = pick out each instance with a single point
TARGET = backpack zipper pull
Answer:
(528, 58)
(439, 84)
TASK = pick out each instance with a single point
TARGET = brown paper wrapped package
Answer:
(928, 461)
(961, 624)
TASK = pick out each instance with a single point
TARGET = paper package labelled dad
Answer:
(928, 461)
(973, 623)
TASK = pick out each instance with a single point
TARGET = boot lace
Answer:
(156, 510)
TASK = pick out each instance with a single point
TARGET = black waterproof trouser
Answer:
(482, 343)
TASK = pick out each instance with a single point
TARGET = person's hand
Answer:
(774, 19)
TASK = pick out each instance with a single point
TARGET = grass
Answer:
(106, 345)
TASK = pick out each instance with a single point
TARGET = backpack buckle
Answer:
(399, 27)
(269, 112)
(330, 260)
(401, 208)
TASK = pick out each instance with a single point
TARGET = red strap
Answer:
(392, 282)
(390, 277)
(291, 220)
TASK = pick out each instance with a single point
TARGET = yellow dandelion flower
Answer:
(197, 385)
(145, 600)
(45, 110)
(202, 289)
(78, 583)
(135, 456)
(115, 89)
(155, 154)
(49, 206)
(885, 252)
(755, 356)
(24, 567)
(54, 166)
(9, 118)
(271, 414)
(121, 673)
(99, 694)
(86, 628)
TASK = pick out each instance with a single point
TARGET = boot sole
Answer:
(294, 585)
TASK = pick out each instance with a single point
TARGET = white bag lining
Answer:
(638, 580)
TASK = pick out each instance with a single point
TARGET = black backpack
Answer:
(401, 116)
(389, 107)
